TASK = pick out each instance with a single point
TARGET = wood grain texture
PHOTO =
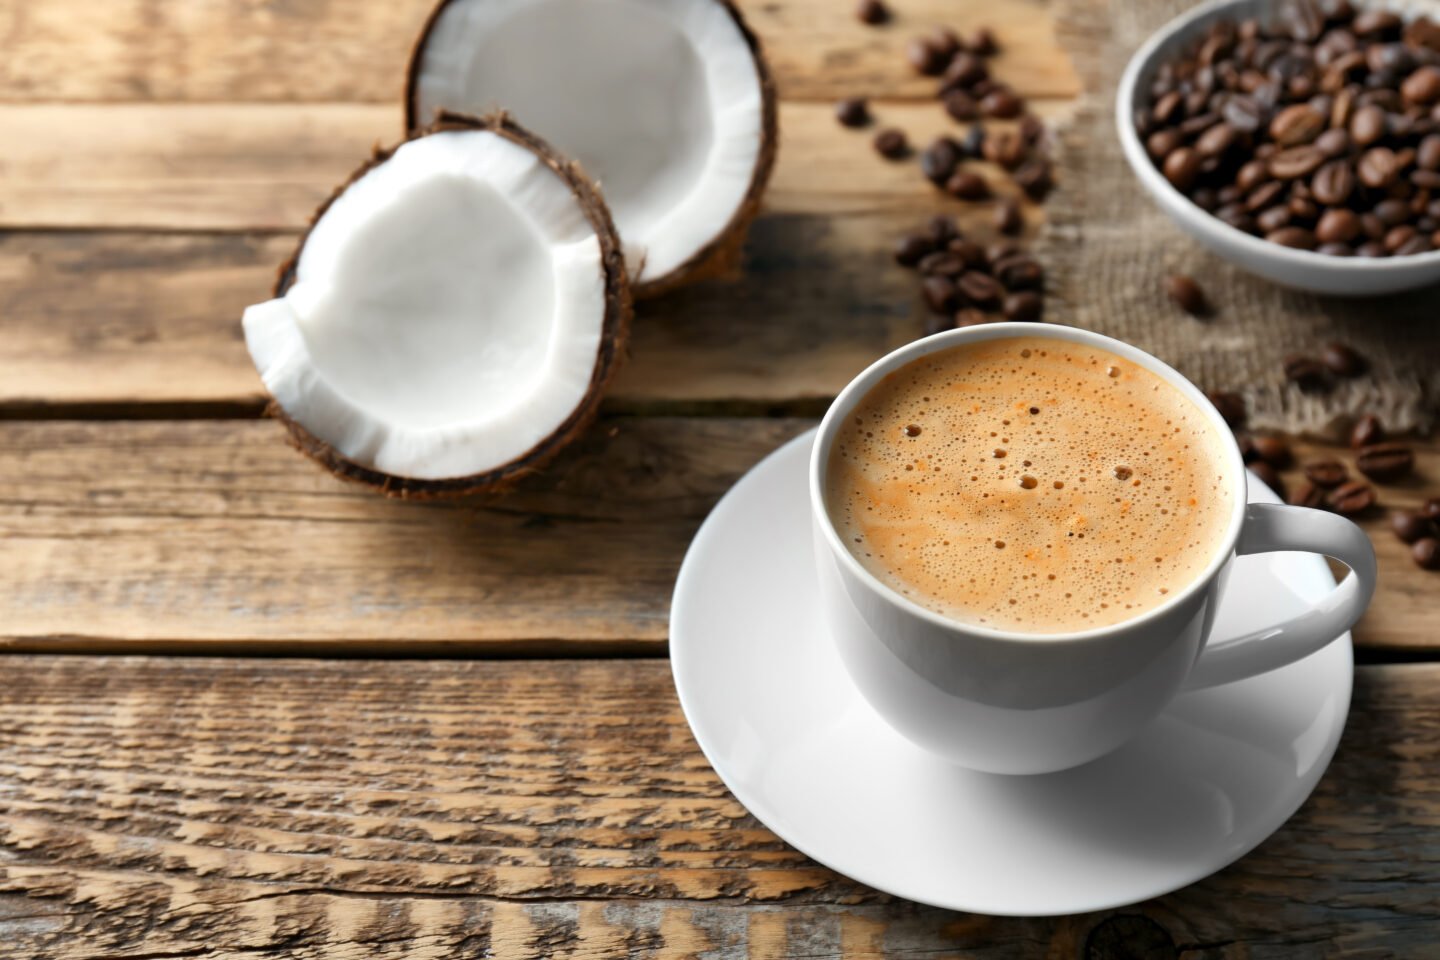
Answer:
(187, 534)
(196, 535)
(316, 51)
(306, 809)
(266, 167)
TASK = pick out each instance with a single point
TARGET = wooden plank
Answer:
(182, 535)
(313, 51)
(196, 535)
(274, 808)
(268, 166)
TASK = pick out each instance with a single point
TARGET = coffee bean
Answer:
(940, 294)
(1336, 250)
(973, 143)
(1377, 168)
(1273, 450)
(1031, 128)
(1296, 125)
(1326, 473)
(961, 106)
(968, 186)
(1026, 306)
(853, 112)
(1376, 23)
(1005, 149)
(939, 160)
(1367, 431)
(1427, 155)
(1001, 250)
(964, 71)
(911, 249)
(1431, 509)
(1416, 244)
(1385, 462)
(1307, 495)
(1185, 293)
(982, 42)
(1371, 249)
(1333, 183)
(1295, 162)
(1002, 104)
(1342, 360)
(1297, 237)
(1426, 553)
(1423, 86)
(1034, 178)
(1251, 175)
(1181, 167)
(1020, 273)
(1231, 407)
(1333, 143)
(942, 263)
(1268, 476)
(1337, 225)
(1351, 499)
(1410, 525)
(979, 290)
(942, 228)
(1307, 373)
(872, 12)
(892, 144)
(970, 252)
(946, 41)
(924, 57)
(1007, 218)
(1367, 125)
(1269, 221)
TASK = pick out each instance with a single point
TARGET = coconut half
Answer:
(667, 103)
(452, 315)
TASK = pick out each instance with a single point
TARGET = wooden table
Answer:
(542, 796)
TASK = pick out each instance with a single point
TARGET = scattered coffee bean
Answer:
(1342, 360)
(964, 71)
(1002, 104)
(1307, 373)
(1410, 525)
(942, 263)
(913, 248)
(942, 228)
(961, 106)
(853, 112)
(1351, 499)
(925, 57)
(1337, 225)
(1431, 509)
(1367, 431)
(1426, 553)
(968, 185)
(1423, 86)
(1034, 177)
(939, 160)
(872, 12)
(1385, 462)
(980, 290)
(1026, 306)
(892, 144)
(1326, 473)
(1273, 450)
(1268, 476)
(982, 42)
(1185, 293)
(1307, 495)
(1231, 407)
(941, 294)
(1007, 218)
(1020, 272)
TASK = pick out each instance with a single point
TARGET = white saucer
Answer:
(772, 708)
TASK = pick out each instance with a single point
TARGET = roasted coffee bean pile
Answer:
(1319, 129)
(1328, 483)
(965, 283)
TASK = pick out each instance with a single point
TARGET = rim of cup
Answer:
(857, 388)
(1143, 64)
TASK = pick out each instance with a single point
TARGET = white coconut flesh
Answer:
(659, 100)
(447, 311)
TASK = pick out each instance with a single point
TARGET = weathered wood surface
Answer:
(292, 808)
(185, 535)
(224, 50)
(266, 167)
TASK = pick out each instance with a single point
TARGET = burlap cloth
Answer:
(1108, 248)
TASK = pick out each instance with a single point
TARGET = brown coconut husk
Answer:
(722, 256)
(614, 337)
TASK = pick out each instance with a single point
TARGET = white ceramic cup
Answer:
(1008, 702)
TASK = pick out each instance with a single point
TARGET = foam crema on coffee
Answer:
(1030, 484)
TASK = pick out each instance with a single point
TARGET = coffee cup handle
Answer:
(1270, 527)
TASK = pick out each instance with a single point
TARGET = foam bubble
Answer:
(1050, 532)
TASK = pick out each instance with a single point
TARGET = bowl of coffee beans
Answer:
(1299, 139)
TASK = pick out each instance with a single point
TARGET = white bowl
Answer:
(1302, 269)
